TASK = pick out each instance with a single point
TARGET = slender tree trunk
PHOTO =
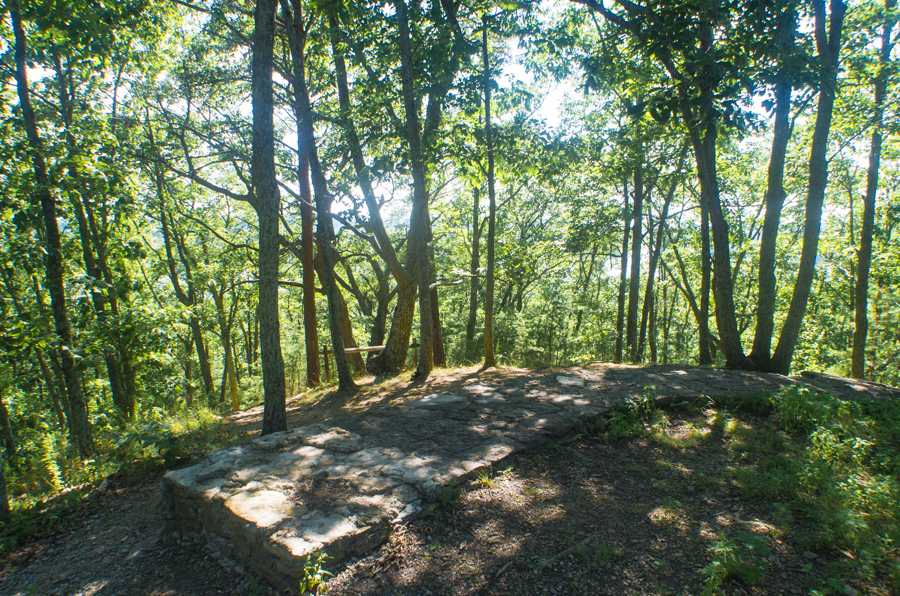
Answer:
(188, 365)
(705, 278)
(637, 238)
(47, 376)
(228, 355)
(323, 198)
(623, 277)
(202, 357)
(489, 358)
(187, 298)
(861, 331)
(5, 515)
(51, 389)
(760, 354)
(648, 311)
(654, 318)
(828, 46)
(266, 200)
(474, 284)
(6, 429)
(420, 221)
(307, 242)
(123, 400)
(80, 422)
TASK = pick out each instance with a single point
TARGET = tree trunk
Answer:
(637, 237)
(654, 317)
(6, 429)
(80, 422)
(266, 200)
(648, 311)
(623, 277)
(5, 515)
(705, 356)
(420, 221)
(187, 298)
(225, 324)
(440, 356)
(323, 199)
(760, 354)
(828, 46)
(474, 284)
(861, 331)
(702, 127)
(489, 358)
(123, 400)
(307, 242)
(355, 361)
(51, 389)
(393, 357)
(379, 322)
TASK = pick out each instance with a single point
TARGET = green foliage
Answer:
(838, 466)
(448, 500)
(50, 481)
(628, 419)
(741, 559)
(314, 580)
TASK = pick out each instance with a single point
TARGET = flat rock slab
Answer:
(336, 488)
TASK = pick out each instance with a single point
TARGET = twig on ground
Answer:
(504, 568)
(548, 562)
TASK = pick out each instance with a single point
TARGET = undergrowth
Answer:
(48, 480)
(829, 466)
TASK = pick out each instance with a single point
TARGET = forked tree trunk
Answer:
(393, 357)
(828, 47)
(420, 221)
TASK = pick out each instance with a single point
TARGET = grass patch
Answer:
(831, 467)
(836, 463)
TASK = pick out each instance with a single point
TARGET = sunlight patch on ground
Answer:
(683, 436)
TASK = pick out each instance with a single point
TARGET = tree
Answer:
(80, 423)
(322, 198)
(266, 201)
(880, 83)
(489, 359)
(828, 30)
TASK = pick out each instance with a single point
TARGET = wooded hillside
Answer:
(198, 197)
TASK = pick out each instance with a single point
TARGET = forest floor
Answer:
(657, 507)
